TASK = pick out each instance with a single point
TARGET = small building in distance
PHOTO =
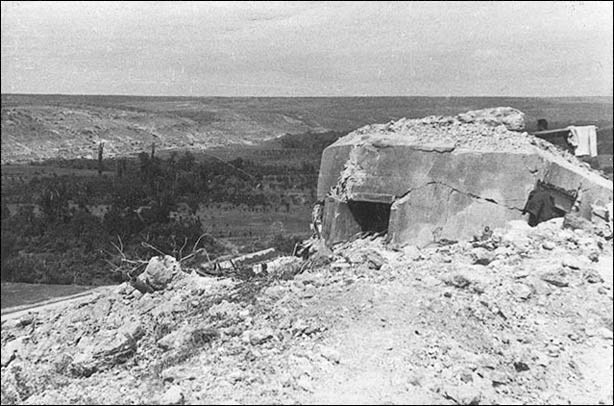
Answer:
(560, 138)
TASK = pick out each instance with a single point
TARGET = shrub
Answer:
(285, 243)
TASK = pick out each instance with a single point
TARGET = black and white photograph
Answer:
(307, 202)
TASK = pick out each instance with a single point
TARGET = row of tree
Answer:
(67, 243)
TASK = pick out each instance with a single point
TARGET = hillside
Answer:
(521, 317)
(37, 127)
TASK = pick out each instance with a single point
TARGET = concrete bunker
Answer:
(447, 178)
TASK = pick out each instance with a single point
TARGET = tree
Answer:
(186, 162)
(100, 151)
(54, 201)
(144, 165)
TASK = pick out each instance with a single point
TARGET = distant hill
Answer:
(37, 127)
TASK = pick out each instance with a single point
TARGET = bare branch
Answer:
(119, 250)
(197, 241)
(185, 242)
(195, 253)
(113, 265)
(148, 245)
(123, 256)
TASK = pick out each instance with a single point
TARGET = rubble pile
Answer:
(498, 129)
(517, 315)
(479, 130)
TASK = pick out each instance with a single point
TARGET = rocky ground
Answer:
(521, 316)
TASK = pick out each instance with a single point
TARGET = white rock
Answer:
(412, 252)
(548, 245)
(276, 291)
(225, 310)
(11, 350)
(259, 336)
(175, 339)
(160, 271)
(124, 289)
(12, 323)
(522, 291)
(571, 262)
(330, 354)
(173, 396)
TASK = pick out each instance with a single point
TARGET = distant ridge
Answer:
(38, 127)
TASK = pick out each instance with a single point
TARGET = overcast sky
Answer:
(308, 49)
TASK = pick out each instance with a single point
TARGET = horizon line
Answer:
(297, 97)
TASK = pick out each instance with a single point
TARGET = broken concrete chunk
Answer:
(330, 354)
(548, 245)
(412, 252)
(576, 222)
(464, 394)
(124, 288)
(370, 257)
(257, 337)
(102, 351)
(187, 335)
(225, 310)
(172, 396)
(481, 256)
(511, 118)
(159, 272)
(12, 349)
(571, 262)
(555, 278)
(133, 329)
(592, 276)
(458, 281)
(522, 291)
(173, 340)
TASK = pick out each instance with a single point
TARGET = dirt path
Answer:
(375, 352)
(19, 311)
(395, 344)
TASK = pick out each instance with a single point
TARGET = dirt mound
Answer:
(521, 315)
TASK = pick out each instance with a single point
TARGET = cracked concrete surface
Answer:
(437, 211)
(453, 189)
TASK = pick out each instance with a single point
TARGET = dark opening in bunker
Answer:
(547, 201)
(370, 216)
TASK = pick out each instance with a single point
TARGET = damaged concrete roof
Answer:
(498, 129)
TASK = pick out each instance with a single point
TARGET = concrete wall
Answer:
(436, 212)
(338, 223)
(441, 192)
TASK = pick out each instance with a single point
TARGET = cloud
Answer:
(308, 48)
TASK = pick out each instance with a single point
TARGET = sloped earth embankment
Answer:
(523, 316)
